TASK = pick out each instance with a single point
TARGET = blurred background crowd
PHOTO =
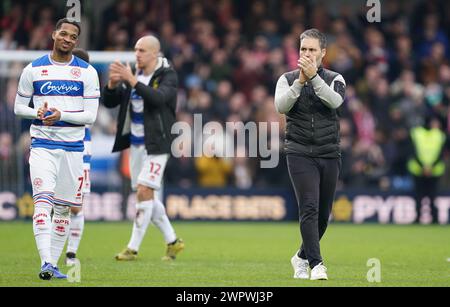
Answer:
(229, 55)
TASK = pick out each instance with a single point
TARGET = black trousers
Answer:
(314, 181)
(426, 187)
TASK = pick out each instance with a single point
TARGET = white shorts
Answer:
(146, 169)
(57, 173)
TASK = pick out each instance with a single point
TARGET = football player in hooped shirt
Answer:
(65, 93)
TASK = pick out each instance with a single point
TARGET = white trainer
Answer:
(319, 272)
(300, 267)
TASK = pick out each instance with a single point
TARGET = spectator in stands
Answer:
(426, 163)
(213, 169)
(8, 163)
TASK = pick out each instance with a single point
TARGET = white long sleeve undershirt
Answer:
(326, 92)
(286, 96)
(87, 117)
(22, 109)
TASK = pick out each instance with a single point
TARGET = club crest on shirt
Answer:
(75, 72)
(37, 182)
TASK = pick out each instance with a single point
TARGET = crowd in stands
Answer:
(229, 55)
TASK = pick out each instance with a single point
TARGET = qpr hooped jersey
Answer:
(66, 87)
(137, 113)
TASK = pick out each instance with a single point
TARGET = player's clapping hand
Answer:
(114, 75)
(122, 71)
(308, 66)
(113, 80)
(42, 110)
(52, 118)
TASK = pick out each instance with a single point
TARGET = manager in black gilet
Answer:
(309, 97)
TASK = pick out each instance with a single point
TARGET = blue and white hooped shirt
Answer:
(67, 87)
(137, 113)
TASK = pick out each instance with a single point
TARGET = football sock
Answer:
(60, 231)
(42, 228)
(161, 220)
(143, 216)
(75, 232)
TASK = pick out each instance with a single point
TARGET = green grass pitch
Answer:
(237, 254)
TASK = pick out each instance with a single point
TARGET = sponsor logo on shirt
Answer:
(58, 88)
